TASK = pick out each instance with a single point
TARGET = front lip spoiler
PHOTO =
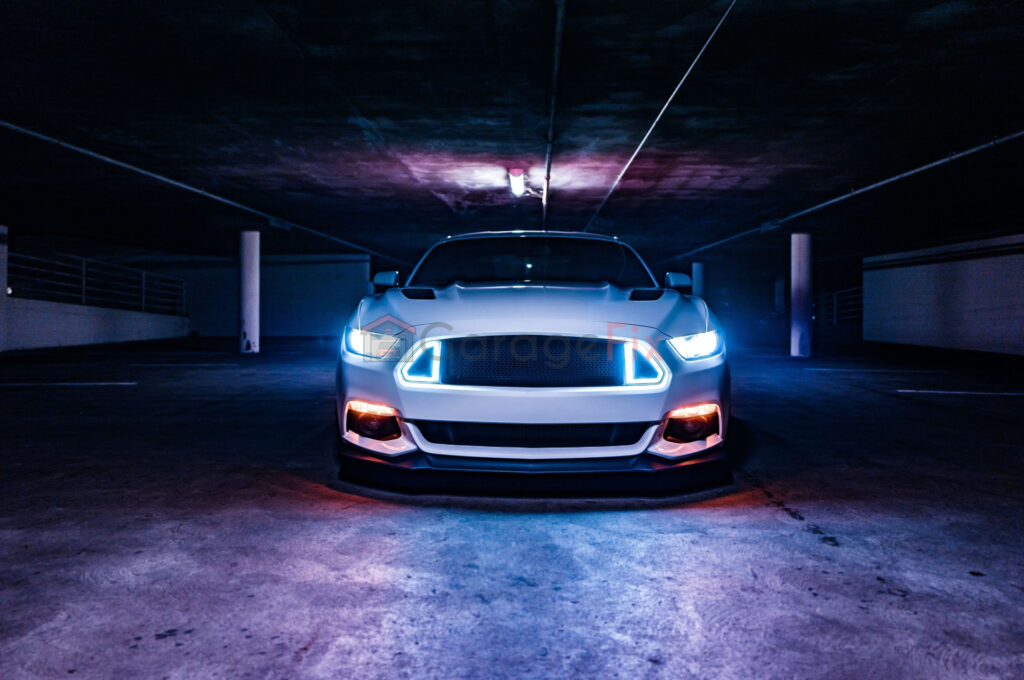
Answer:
(638, 462)
(641, 474)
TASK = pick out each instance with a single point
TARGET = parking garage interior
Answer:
(194, 198)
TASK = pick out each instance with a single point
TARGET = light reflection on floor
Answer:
(190, 526)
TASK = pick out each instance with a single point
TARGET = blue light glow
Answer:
(641, 364)
(697, 346)
(423, 365)
(369, 344)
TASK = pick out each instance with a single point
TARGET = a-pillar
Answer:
(697, 277)
(4, 307)
(249, 287)
(800, 295)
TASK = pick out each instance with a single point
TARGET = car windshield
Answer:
(531, 259)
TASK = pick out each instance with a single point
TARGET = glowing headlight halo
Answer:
(697, 346)
(650, 371)
(370, 344)
(642, 365)
(422, 364)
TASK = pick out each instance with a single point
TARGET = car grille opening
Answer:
(532, 361)
(531, 435)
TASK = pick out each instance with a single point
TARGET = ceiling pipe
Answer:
(272, 221)
(559, 26)
(772, 225)
(657, 118)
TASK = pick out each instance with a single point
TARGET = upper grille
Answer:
(531, 361)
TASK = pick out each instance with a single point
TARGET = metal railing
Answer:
(77, 280)
(841, 306)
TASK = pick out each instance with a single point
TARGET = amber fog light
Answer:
(374, 421)
(692, 424)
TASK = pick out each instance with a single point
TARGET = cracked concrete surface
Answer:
(184, 527)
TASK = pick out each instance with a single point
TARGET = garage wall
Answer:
(964, 296)
(300, 295)
(34, 324)
(30, 324)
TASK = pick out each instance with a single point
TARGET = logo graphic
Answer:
(385, 339)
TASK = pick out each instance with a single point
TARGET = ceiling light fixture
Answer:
(517, 181)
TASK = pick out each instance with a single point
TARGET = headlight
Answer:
(373, 345)
(697, 346)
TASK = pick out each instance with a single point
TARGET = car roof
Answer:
(532, 232)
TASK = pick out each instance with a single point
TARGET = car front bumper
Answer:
(687, 383)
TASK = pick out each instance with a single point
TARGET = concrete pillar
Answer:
(4, 307)
(249, 287)
(800, 295)
(697, 275)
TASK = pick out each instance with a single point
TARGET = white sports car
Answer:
(532, 352)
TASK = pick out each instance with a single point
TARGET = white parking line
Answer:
(69, 384)
(178, 365)
(874, 370)
(979, 394)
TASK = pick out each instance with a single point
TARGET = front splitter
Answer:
(642, 474)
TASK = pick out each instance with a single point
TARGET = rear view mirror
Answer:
(677, 280)
(384, 280)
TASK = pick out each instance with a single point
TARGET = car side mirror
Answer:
(384, 280)
(677, 280)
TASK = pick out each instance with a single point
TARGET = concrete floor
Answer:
(182, 526)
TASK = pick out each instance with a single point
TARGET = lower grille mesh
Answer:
(531, 435)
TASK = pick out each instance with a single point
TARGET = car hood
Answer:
(564, 309)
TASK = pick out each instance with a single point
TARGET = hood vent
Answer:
(646, 294)
(419, 293)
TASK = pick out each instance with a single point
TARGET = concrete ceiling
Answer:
(391, 123)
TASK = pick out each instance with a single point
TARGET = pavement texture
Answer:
(186, 524)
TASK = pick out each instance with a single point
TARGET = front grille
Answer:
(531, 435)
(531, 361)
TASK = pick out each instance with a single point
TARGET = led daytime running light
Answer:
(635, 351)
(434, 348)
